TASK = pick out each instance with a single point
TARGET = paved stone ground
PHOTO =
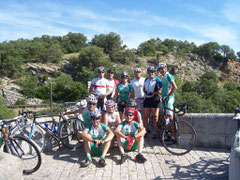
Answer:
(198, 164)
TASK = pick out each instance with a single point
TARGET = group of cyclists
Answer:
(122, 109)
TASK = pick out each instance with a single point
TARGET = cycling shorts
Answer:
(169, 105)
(152, 102)
(96, 151)
(133, 148)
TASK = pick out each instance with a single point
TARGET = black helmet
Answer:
(110, 71)
(151, 69)
(124, 74)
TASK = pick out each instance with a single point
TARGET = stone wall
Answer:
(213, 130)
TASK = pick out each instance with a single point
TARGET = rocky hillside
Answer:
(190, 68)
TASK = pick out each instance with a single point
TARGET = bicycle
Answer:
(178, 136)
(63, 132)
(24, 128)
(20, 146)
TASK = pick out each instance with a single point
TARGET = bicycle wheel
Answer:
(68, 133)
(181, 140)
(27, 151)
(37, 135)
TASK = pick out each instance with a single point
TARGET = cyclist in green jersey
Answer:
(130, 137)
(97, 139)
(169, 87)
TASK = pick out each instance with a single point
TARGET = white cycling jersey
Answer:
(137, 85)
(100, 85)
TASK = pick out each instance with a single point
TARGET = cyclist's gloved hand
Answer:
(165, 98)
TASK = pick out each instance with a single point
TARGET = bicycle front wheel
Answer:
(179, 138)
(35, 134)
(27, 151)
(68, 133)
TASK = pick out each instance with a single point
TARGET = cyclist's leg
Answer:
(155, 112)
(169, 114)
(87, 148)
(120, 145)
(106, 147)
(140, 141)
(146, 114)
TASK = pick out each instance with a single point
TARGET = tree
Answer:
(55, 53)
(110, 42)
(147, 48)
(73, 42)
(209, 50)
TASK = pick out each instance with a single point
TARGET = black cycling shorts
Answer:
(152, 102)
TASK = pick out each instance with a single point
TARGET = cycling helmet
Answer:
(131, 103)
(161, 65)
(137, 70)
(95, 115)
(83, 103)
(91, 99)
(110, 71)
(151, 69)
(101, 69)
(110, 103)
(124, 74)
(129, 111)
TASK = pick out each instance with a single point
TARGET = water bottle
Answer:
(56, 128)
(48, 127)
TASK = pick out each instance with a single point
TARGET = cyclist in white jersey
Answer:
(137, 84)
(100, 88)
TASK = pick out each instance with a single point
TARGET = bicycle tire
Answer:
(27, 151)
(185, 138)
(38, 136)
(68, 134)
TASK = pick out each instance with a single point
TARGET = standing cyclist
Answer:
(137, 84)
(100, 88)
(152, 89)
(112, 83)
(168, 89)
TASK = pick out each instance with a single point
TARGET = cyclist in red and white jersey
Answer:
(100, 88)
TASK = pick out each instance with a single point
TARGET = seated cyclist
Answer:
(111, 117)
(132, 105)
(97, 138)
(85, 111)
(130, 137)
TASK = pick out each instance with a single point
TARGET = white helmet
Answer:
(91, 99)
(161, 65)
(137, 70)
(95, 114)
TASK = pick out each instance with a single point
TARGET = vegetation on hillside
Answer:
(108, 50)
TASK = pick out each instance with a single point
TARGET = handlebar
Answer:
(179, 109)
(237, 110)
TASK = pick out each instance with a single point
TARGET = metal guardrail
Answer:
(37, 105)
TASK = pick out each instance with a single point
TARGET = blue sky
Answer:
(135, 21)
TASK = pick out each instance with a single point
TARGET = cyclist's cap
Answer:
(137, 70)
(129, 112)
(111, 71)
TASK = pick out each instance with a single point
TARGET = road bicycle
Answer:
(61, 132)
(178, 136)
(19, 146)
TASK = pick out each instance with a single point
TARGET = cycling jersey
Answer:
(129, 129)
(152, 85)
(99, 132)
(112, 86)
(111, 119)
(86, 116)
(137, 85)
(100, 85)
(124, 91)
(166, 85)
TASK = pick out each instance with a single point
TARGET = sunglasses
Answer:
(101, 72)
(129, 115)
(92, 104)
(151, 71)
(95, 119)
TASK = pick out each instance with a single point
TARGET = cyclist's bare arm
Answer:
(141, 132)
(173, 89)
(74, 112)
